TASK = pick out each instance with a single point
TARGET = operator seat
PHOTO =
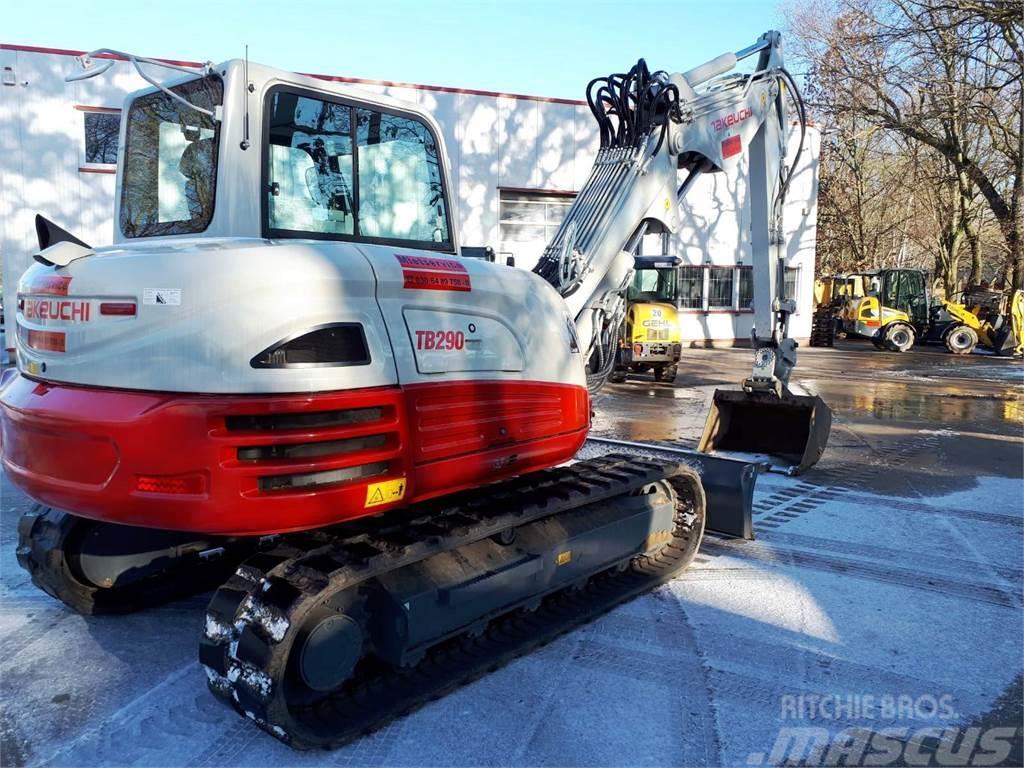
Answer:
(196, 165)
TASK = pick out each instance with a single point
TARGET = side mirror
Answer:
(480, 252)
(510, 261)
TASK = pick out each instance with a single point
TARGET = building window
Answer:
(792, 283)
(720, 282)
(531, 216)
(746, 296)
(101, 133)
(691, 287)
(730, 288)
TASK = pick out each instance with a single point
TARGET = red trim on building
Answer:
(446, 89)
(69, 52)
(88, 169)
(330, 78)
(103, 110)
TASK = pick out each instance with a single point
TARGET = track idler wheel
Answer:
(100, 568)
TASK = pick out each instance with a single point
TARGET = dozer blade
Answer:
(728, 484)
(792, 428)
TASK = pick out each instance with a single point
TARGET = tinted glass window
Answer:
(653, 285)
(310, 166)
(170, 173)
(335, 170)
(400, 193)
(691, 287)
(531, 216)
(720, 287)
(101, 130)
(746, 287)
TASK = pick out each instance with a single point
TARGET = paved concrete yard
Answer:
(886, 581)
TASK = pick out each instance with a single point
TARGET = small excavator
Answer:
(284, 379)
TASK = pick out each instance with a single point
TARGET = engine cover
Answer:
(194, 315)
(240, 387)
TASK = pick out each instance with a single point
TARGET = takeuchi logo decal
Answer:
(722, 123)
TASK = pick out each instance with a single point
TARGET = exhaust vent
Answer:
(311, 450)
(271, 421)
(327, 477)
(337, 344)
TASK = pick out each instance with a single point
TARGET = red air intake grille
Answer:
(301, 450)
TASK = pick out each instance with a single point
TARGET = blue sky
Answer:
(548, 48)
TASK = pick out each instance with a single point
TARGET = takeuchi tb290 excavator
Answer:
(283, 374)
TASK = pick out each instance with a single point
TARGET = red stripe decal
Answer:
(46, 341)
(420, 280)
(731, 146)
(430, 262)
(428, 273)
(48, 285)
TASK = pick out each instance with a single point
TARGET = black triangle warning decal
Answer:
(376, 498)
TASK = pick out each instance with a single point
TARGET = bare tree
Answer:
(944, 76)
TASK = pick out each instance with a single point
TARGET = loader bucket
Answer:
(791, 428)
(1003, 340)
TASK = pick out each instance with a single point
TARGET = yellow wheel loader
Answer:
(893, 309)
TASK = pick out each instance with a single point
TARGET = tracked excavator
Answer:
(283, 379)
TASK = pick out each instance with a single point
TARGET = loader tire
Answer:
(823, 328)
(899, 337)
(961, 339)
(666, 374)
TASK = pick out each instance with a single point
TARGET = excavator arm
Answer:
(652, 127)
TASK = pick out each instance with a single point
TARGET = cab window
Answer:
(653, 285)
(339, 172)
(170, 161)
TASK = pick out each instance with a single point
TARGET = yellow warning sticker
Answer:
(563, 557)
(386, 492)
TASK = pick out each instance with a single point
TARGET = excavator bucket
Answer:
(791, 428)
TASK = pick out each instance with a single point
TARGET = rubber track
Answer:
(46, 535)
(242, 647)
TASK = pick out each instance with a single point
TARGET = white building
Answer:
(516, 163)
